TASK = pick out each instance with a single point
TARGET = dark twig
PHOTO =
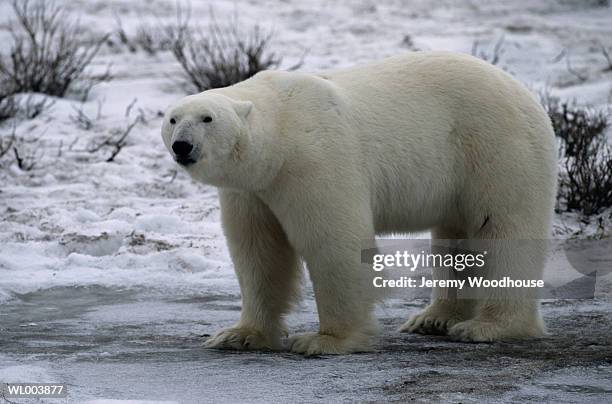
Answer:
(573, 71)
(6, 144)
(118, 137)
(608, 58)
(494, 57)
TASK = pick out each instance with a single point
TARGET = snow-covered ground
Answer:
(112, 274)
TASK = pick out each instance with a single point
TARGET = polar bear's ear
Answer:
(243, 108)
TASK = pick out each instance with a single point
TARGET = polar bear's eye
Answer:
(172, 121)
(207, 119)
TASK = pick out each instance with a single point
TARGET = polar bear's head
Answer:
(208, 134)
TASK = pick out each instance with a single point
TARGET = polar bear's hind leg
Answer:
(508, 313)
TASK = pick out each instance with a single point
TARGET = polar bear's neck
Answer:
(261, 150)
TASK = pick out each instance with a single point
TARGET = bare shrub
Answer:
(28, 107)
(606, 54)
(26, 161)
(586, 183)
(117, 138)
(27, 152)
(221, 55)
(211, 57)
(46, 53)
(115, 142)
(493, 56)
(577, 127)
(148, 38)
(83, 120)
(6, 142)
(580, 75)
(123, 37)
(151, 39)
(8, 107)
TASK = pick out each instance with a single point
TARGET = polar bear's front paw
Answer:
(430, 322)
(240, 338)
(320, 344)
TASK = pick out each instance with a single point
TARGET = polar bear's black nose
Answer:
(182, 148)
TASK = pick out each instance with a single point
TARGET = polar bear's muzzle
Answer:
(183, 148)
(182, 152)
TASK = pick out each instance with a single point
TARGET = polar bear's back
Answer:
(447, 126)
(455, 84)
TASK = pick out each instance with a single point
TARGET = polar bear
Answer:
(310, 165)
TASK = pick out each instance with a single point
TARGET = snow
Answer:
(114, 273)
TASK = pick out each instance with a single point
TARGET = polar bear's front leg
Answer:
(268, 271)
(326, 214)
(331, 247)
(344, 303)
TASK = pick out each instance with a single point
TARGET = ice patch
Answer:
(26, 374)
(85, 216)
(113, 401)
(160, 224)
(572, 384)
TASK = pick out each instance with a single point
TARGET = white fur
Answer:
(308, 166)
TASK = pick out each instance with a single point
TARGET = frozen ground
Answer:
(113, 343)
(112, 273)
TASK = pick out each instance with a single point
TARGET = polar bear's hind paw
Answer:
(428, 323)
(483, 331)
(474, 331)
(311, 344)
(238, 338)
(435, 319)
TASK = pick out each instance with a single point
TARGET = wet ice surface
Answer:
(112, 273)
(129, 344)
